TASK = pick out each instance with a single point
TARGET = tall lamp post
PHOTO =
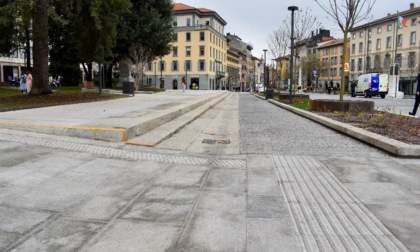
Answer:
(161, 68)
(155, 76)
(292, 9)
(265, 70)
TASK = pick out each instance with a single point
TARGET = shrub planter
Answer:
(341, 106)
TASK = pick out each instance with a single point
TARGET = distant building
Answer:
(12, 64)
(377, 45)
(245, 58)
(331, 62)
(199, 51)
(307, 47)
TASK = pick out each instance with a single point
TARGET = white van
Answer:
(372, 84)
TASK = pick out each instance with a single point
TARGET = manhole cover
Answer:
(213, 141)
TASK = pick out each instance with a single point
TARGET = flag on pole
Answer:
(402, 22)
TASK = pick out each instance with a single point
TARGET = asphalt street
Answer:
(244, 176)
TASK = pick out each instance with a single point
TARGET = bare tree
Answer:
(137, 60)
(347, 14)
(278, 45)
(279, 40)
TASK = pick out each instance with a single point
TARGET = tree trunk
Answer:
(87, 67)
(108, 78)
(40, 48)
(342, 65)
(28, 49)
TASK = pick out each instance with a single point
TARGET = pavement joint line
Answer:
(123, 132)
(326, 214)
(389, 145)
(107, 151)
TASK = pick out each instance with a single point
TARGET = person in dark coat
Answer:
(417, 102)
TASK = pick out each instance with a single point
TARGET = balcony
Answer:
(220, 74)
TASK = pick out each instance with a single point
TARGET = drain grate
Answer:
(213, 141)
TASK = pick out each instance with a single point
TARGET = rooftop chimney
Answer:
(412, 6)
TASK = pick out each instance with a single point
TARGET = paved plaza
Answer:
(236, 174)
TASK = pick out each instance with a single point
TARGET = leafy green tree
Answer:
(149, 25)
(15, 25)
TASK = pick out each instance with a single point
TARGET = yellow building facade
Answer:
(330, 58)
(199, 51)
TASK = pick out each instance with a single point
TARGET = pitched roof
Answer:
(181, 7)
(184, 7)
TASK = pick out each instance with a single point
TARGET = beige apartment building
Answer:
(376, 46)
(199, 51)
(330, 62)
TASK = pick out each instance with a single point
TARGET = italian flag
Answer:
(402, 22)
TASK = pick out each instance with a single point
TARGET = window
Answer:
(202, 50)
(387, 61)
(367, 63)
(188, 21)
(360, 34)
(174, 51)
(201, 65)
(361, 47)
(202, 37)
(188, 36)
(353, 48)
(175, 23)
(188, 51)
(389, 27)
(161, 65)
(211, 66)
(413, 21)
(377, 62)
(327, 51)
(388, 42)
(411, 59)
(352, 65)
(149, 66)
(399, 59)
(354, 35)
(369, 33)
(369, 45)
(399, 40)
(174, 65)
(187, 65)
(413, 38)
(378, 44)
(379, 30)
(359, 64)
(175, 37)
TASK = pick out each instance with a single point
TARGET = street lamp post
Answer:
(292, 9)
(161, 66)
(265, 70)
(155, 75)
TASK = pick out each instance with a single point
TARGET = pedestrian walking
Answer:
(417, 101)
(183, 83)
(28, 80)
(22, 82)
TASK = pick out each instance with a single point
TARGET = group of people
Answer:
(25, 81)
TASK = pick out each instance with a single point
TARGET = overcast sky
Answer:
(253, 21)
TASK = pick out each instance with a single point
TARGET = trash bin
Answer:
(128, 87)
(269, 94)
